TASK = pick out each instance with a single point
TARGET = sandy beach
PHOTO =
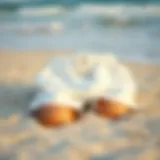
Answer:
(136, 137)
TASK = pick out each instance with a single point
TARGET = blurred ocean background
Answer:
(127, 28)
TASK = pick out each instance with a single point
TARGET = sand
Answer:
(136, 137)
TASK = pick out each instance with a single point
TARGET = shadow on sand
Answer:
(15, 99)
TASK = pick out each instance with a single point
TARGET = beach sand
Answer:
(136, 137)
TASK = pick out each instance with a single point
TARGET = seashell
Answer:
(56, 109)
(112, 109)
(53, 115)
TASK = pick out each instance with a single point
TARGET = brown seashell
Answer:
(52, 115)
(111, 109)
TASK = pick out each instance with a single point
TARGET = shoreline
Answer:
(141, 59)
(12, 64)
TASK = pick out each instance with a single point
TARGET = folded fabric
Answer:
(77, 78)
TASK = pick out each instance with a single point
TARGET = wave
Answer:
(77, 17)
(91, 9)
(41, 11)
(119, 10)
(25, 29)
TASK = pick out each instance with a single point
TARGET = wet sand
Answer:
(136, 137)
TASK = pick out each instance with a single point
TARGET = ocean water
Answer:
(129, 30)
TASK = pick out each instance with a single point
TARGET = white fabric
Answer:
(75, 79)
